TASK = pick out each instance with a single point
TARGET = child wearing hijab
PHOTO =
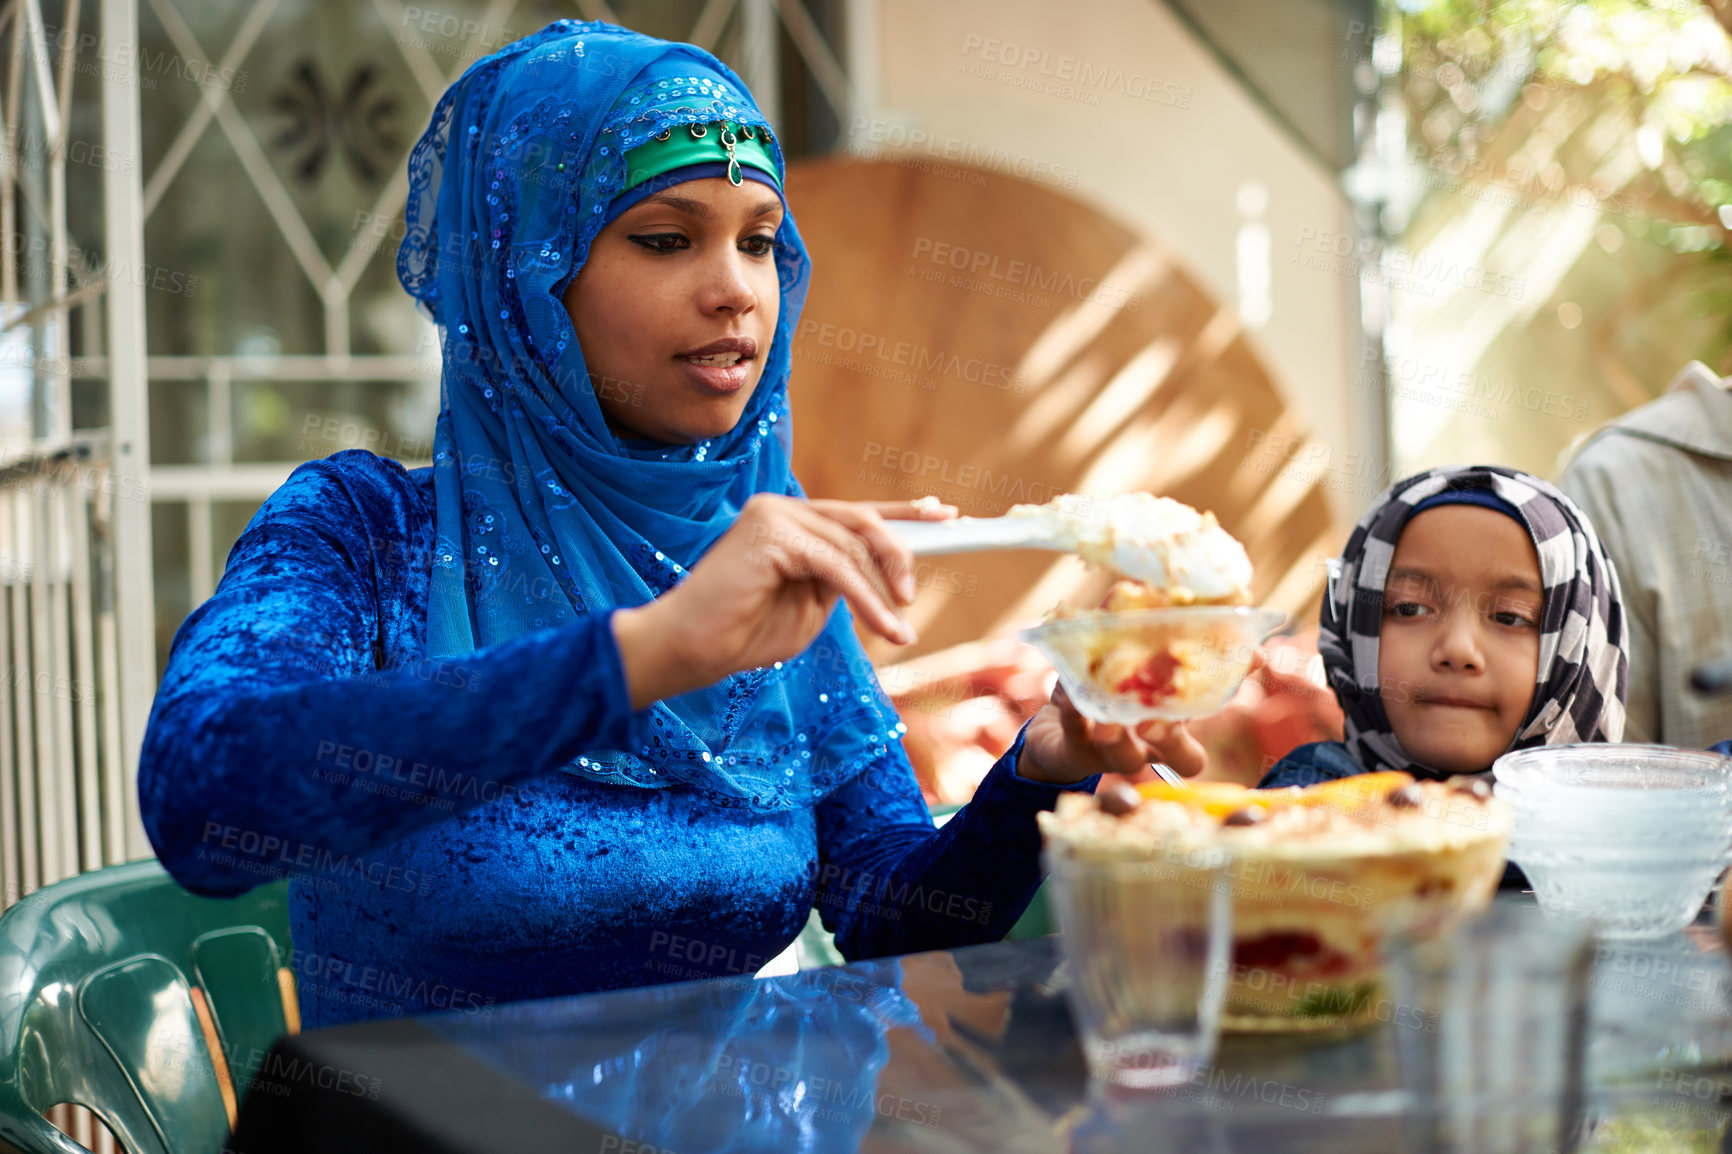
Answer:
(1472, 613)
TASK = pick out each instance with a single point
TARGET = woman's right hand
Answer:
(764, 591)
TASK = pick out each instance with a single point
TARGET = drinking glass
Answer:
(1493, 1053)
(1147, 946)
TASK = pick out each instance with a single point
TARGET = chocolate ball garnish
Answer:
(1407, 797)
(1250, 815)
(1117, 798)
(1477, 786)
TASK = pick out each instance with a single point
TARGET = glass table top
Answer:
(973, 1049)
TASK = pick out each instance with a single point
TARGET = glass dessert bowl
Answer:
(1171, 663)
(1631, 836)
(1321, 877)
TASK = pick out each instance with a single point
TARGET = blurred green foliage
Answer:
(1626, 101)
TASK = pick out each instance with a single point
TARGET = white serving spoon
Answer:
(1145, 538)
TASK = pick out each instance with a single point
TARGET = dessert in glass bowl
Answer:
(1321, 876)
(1174, 647)
(1173, 663)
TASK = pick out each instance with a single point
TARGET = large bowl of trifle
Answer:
(1321, 877)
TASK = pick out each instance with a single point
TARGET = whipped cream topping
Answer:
(1154, 540)
(1444, 818)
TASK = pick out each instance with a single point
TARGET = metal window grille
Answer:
(77, 596)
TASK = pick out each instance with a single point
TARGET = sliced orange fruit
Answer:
(1220, 798)
(1216, 798)
(1356, 790)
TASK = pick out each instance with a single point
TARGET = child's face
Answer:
(1459, 647)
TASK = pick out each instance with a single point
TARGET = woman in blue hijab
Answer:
(577, 707)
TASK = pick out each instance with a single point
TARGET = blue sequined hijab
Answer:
(542, 512)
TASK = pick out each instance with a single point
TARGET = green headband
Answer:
(711, 143)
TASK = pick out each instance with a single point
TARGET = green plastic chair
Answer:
(110, 985)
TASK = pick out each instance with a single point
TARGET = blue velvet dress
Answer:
(437, 857)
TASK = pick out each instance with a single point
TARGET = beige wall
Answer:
(1162, 143)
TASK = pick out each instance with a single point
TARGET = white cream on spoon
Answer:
(1155, 540)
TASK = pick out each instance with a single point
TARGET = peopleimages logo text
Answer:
(955, 149)
(1085, 75)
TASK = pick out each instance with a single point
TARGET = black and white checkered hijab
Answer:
(1582, 668)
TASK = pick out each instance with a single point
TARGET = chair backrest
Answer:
(148, 1005)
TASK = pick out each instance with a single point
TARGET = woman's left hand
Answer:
(1063, 747)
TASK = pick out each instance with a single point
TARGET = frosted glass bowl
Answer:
(1617, 774)
(1626, 900)
(1632, 836)
(1182, 661)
